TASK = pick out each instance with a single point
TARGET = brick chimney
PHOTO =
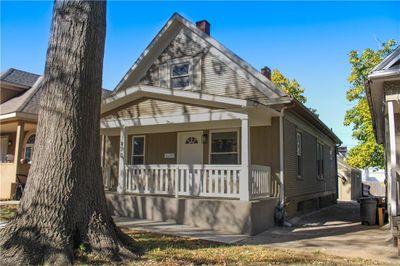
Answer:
(266, 71)
(204, 26)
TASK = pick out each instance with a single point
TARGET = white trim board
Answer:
(189, 97)
(187, 118)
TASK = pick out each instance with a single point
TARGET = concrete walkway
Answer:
(335, 230)
(178, 230)
(9, 202)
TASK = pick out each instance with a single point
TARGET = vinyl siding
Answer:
(264, 142)
(308, 185)
(210, 75)
(152, 108)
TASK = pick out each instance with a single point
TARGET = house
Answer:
(18, 118)
(349, 181)
(383, 93)
(195, 135)
(20, 93)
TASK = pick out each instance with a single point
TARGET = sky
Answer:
(308, 41)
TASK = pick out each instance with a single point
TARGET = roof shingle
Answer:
(19, 77)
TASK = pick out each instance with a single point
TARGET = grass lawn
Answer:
(157, 249)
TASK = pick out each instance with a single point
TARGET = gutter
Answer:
(384, 74)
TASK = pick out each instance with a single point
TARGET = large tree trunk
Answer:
(64, 202)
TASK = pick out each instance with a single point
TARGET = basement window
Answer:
(180, 75)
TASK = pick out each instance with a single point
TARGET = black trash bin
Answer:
(368, 208)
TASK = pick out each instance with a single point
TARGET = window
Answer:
(180, 75)
(224, 147)
(191, 140)
(138, 143)
(29, 147)
(320, 160)
(299, 153)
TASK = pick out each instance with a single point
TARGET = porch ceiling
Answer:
(11, 127)
(180, 96)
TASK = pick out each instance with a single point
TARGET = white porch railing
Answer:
(260, 181)
(196, 180)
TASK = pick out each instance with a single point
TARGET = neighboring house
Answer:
(19, 92)
(20, 96)
(194, 134)
(383, 92)
(349, 181)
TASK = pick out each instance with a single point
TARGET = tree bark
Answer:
(64, 202)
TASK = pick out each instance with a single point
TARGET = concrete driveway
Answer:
(334, 230)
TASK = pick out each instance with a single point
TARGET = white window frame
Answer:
(221, 131)
(133, 148)
(301, 155)
(320, 160)
(178, 61)
(32, 146)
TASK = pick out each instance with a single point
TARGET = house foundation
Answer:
(231, 216)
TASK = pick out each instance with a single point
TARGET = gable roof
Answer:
(28, 101)
(165, 36)
(19, 103)
(389, 66)
(19, 78)
(387, 70)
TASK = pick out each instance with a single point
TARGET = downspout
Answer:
(281, 160)
(336, 171)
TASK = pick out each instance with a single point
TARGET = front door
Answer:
(190, 148)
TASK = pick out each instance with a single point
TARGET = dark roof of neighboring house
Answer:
(28, 101)
(19, 77)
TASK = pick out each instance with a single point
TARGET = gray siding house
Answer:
(383, 93)
(195, 135)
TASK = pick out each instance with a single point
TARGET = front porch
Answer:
(192, 158)
(224, 154)
(17, 139)
(202, 180)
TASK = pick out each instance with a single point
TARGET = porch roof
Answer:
(181, 96)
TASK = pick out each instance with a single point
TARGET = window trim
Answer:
(133, 149)
(178, 61)
(222, 131)
(300, 177)
(320, 160)
(26, 138)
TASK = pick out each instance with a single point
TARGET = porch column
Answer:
(123, 153)
(18, 145)
(245, 159)
(393, 159)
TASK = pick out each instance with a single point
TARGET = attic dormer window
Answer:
(180, 75)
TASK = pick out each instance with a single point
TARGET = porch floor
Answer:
(171, 228)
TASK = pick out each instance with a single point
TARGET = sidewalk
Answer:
(178, 230)
(336, 231)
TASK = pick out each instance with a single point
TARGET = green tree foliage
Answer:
(367, 153)
(291, 87)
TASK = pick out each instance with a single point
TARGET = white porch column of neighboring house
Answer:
(123, 154)
(19, 145)
(245, 160)
(393, 159)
